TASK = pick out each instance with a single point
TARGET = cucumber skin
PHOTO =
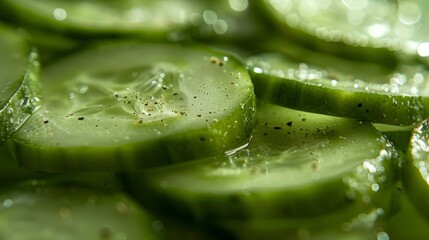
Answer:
(395, 110)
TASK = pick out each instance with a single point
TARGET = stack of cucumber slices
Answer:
(231, 119)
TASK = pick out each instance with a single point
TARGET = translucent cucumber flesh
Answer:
(293, 159)
(61, 211)
(398, 97)
(19, 89)
(175, 103)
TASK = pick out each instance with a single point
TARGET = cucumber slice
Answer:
(132, 105)
(358, 29)
(152, 19)
(346, 225)
(416, 168)
(297, 165)
(334, 86)
(19, 89)
(44, 210)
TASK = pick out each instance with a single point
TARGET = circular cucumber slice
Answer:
(59, 211)
(329, 85)
(416, 169)
(297, 165)
(19, 89)
(344, 26)
(132, 105)
(152, 19)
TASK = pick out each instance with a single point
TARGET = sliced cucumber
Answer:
(153, 19)
(19, 89)
(416, 169)
(45, 210)
(357, 29)
(346, 225)
(329, 85)
(132, 105)
(297, 165)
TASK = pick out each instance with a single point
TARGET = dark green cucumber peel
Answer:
(146, 105)
(63, 211)
(297, 165)
(415, 169)
(339, 87)
(19, 87)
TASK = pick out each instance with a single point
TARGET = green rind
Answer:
(63, 211)
(300, 183)
(19, 90)
(59, 139)
(337, 91)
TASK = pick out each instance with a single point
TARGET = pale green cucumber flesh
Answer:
(63, 211)
(19, 90)
(297, 165)
(146, 105)
(340, 87)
